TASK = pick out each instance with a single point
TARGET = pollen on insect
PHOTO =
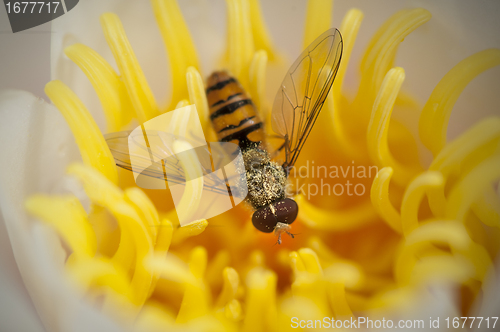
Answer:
(266, 179)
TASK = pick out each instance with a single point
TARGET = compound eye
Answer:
(286, 210)
(264, 220)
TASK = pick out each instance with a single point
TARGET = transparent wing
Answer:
(303, 92)
(157, 163)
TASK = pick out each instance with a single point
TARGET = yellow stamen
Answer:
(454, 235)
(381, 52)
(196, 297)
(257, 258)
(194, 181)
(340, 130)
(441, 269)
(233, 310)
(261, 312)
(216, 268)
(136, 241)
(335, 220)
(195, 228)
(380, 199)
(296, 263)
(93, 147)
(164, 237)
(346, 273)
(413, 197)
(179, 122)
(180, 47)
(171, 268)
(322, 250)
(487, 208)
(467, 191)
(318, 19)
(378, 128)
(311, 261)
(436, 113)
(101, 272)
(138, 89)
(240, 41)
(337, 295)
(476, 144)
(146, 210)
(483, 137)
(309, 282)
(261, 38)
(197, 95)
(155, 318)
(230, 288)
(70, 221)
(107, 84)
(163, 242)
(349, 29)
(257, 80)
(447, 232)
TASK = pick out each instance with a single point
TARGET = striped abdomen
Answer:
(232, 112)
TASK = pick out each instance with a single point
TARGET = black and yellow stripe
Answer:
(232, 112)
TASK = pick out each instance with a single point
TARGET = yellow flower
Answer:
(416, 241)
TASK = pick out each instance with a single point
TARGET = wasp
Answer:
(235, 119)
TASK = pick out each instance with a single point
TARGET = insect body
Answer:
(233, 115)
(295, 110)
(235, 119)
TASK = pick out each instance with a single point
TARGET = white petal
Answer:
(489, 304)
(36, 144)
(35, 147)
(420, 305)
(17, 311)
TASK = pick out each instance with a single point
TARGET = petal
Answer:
(81, 25)
(35, 146)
